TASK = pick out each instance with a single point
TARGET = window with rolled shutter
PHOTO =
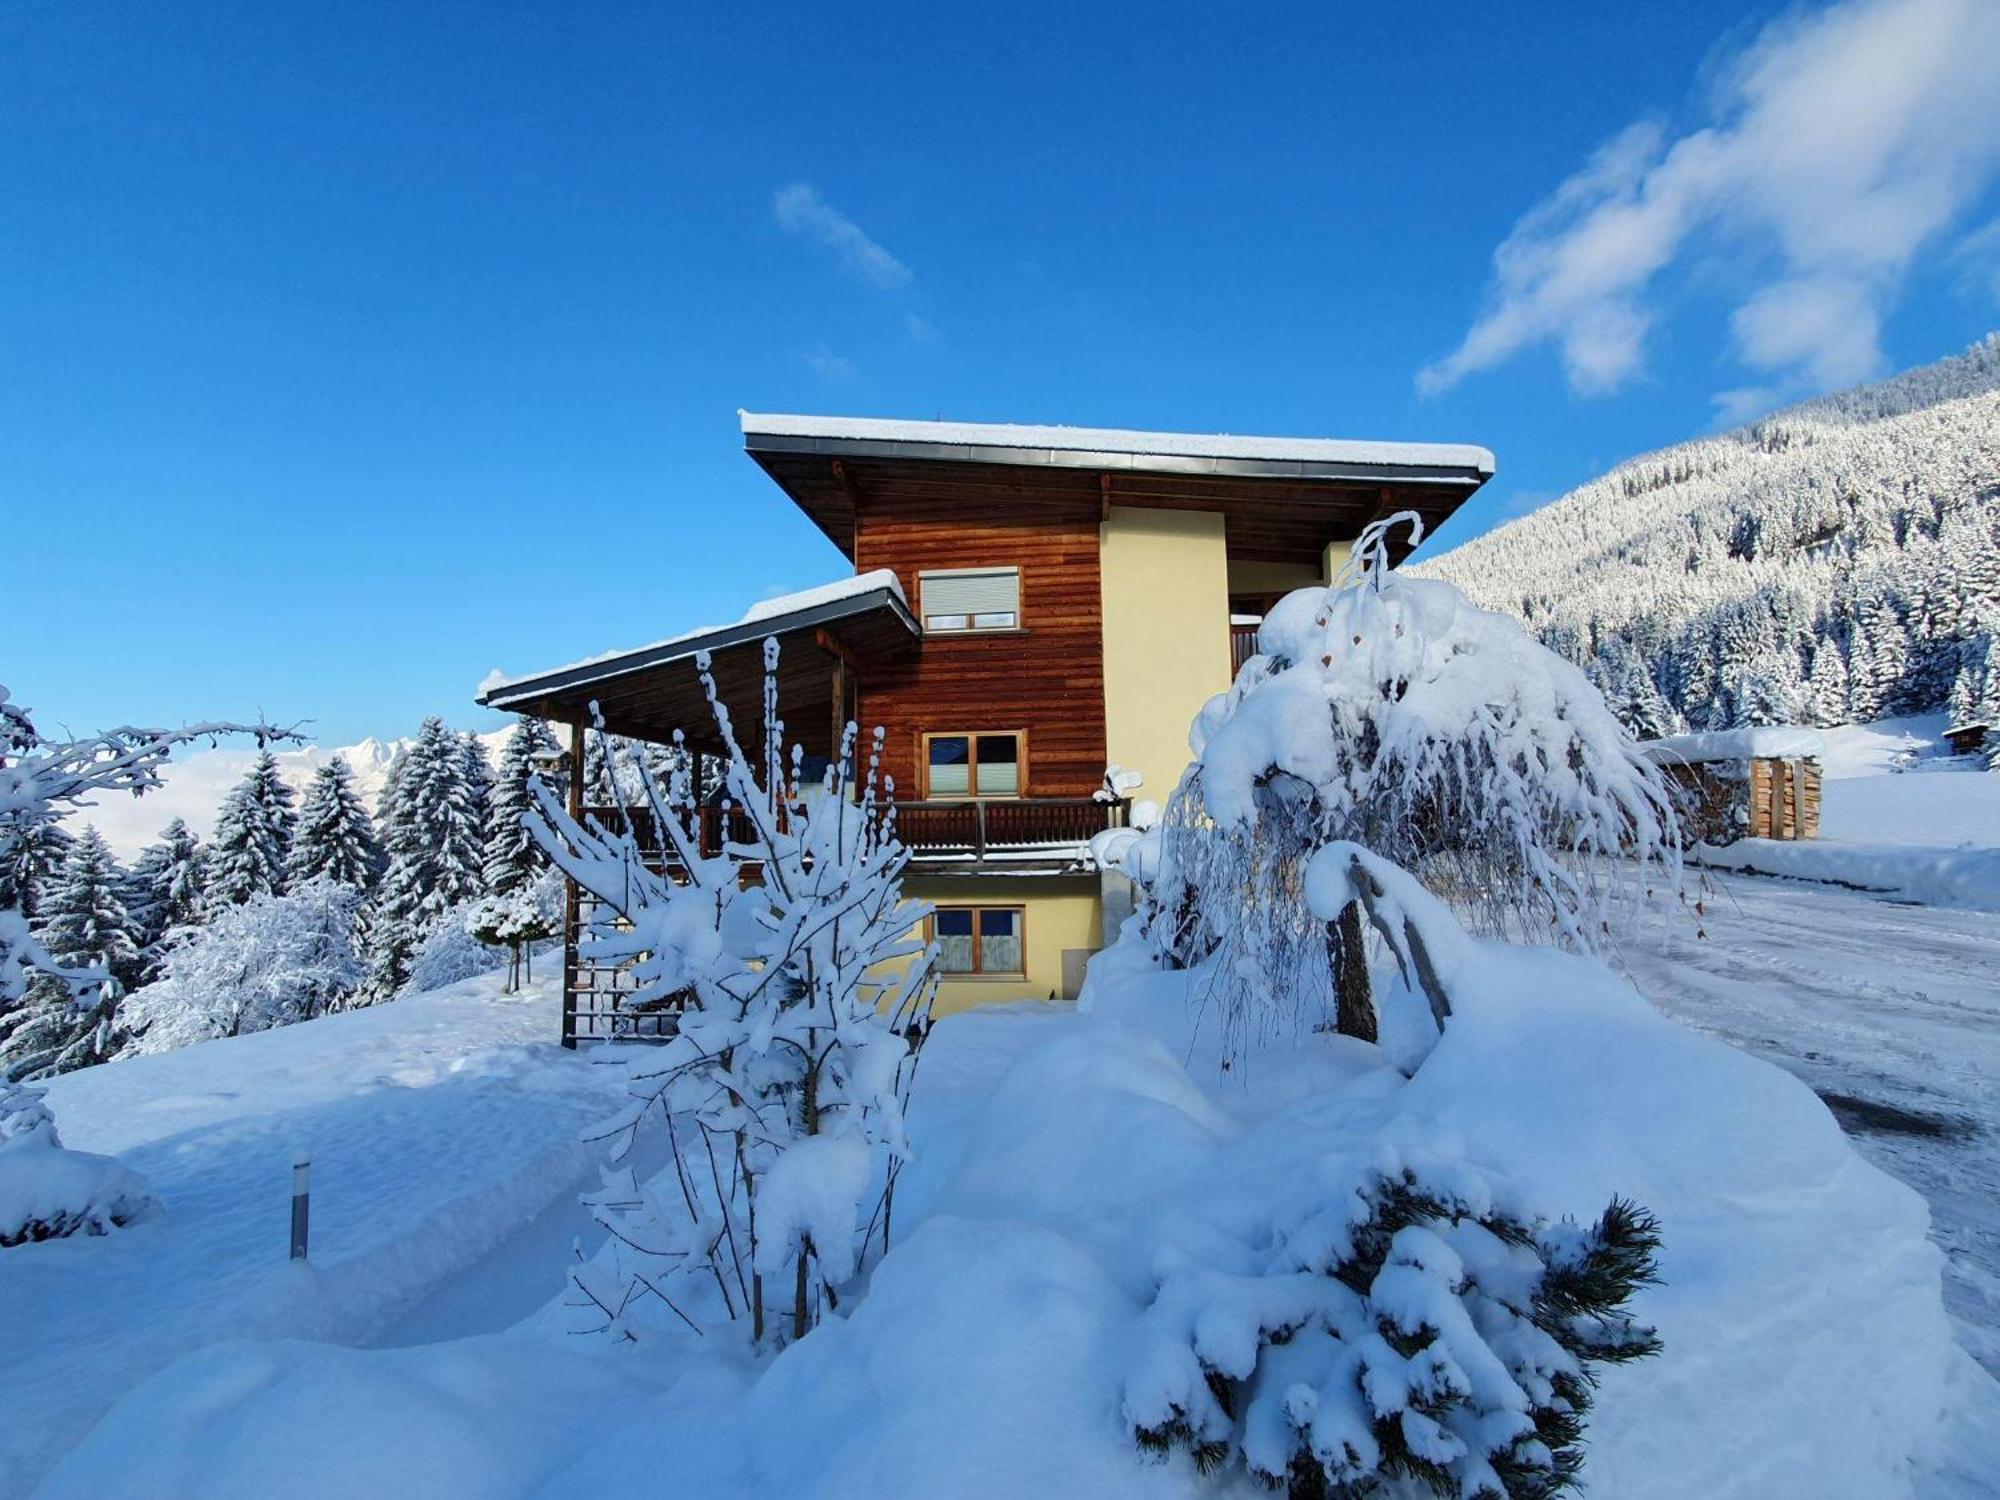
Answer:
(971, 598)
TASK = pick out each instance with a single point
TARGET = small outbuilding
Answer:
(1761, 783)
(1970, 737)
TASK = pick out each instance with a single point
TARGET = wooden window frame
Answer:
(948, 632)
(972, 738)
(975, 972)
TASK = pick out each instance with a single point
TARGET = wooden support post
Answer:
(839, 709)
(572, 904)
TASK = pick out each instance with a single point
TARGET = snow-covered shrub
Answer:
(48, 1192)
(1411, 1324)
(530, 913)
(449, 952)
(800, 996)
(268, 961)
(1388, 711)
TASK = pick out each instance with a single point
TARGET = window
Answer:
(970, 599)
(972, 765)
(981, 940)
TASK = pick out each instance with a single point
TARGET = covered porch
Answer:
(828, 640)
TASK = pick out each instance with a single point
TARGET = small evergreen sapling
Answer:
(1410, 1330)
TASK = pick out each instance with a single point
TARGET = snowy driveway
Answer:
(437, 1126)
(1892, 1014)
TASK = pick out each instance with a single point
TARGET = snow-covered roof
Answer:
(1119, 448)
(781, 612)
(1767, 742)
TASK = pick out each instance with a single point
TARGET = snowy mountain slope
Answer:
(1830, 563)
(197, 780)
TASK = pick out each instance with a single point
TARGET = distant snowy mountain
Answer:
(1831, 563)
(198, 780)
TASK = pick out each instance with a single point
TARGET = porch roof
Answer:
(650, 691)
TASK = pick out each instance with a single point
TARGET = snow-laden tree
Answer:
(450, 951)
(1974, 702)
(84, 926)
(265, 962)
(432, 829)
(41, 780)
(513, 858)
(1408, 1329)
(800, 993)
(1388, 711)
(518, 919)
(166, 888)
(253, 835)
(334, 840)
(48, 1192)
(477, 773)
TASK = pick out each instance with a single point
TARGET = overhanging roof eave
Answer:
(525, 691)
(1469, 475)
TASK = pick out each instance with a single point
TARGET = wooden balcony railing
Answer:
(1242, 646)
(956, 829)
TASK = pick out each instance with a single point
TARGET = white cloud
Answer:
(830, 366)
(801, 210)
(1839, 143)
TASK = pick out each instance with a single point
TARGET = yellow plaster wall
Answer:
(1061, 911)
(1166, 635)
(1334, 558)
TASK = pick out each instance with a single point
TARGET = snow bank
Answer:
(1067, 1161)
(47, 1192)
(1764, 742)
(1966, 877)
(436, 1125)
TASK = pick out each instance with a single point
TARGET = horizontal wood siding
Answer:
(1046, 679)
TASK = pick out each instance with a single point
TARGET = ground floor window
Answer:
(981, 939)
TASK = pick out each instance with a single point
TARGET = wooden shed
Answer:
(1761, 783)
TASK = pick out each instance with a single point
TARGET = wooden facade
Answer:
(1044, 679)
(1721, 801)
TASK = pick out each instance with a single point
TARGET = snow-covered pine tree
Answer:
(1826, 684)
(513, 858)
(166, 889)
(334, 838)
(253, 835)
(431, 833)
(1410, 1333)
(35, 851)
(41, 780)
(477, 771)
(84, 926)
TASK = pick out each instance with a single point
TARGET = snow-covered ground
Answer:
(1898, 814)
(1065, 1159)
(1891, 1012)
(439, 1127)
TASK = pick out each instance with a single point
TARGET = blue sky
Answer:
(325, 330)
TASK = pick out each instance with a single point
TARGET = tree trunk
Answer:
(1347, 948)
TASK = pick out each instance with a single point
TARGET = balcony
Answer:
(1046, 834)
(1242, 641)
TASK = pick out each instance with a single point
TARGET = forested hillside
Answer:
(1832, 563)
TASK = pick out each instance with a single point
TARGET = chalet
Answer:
(1029, 606)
